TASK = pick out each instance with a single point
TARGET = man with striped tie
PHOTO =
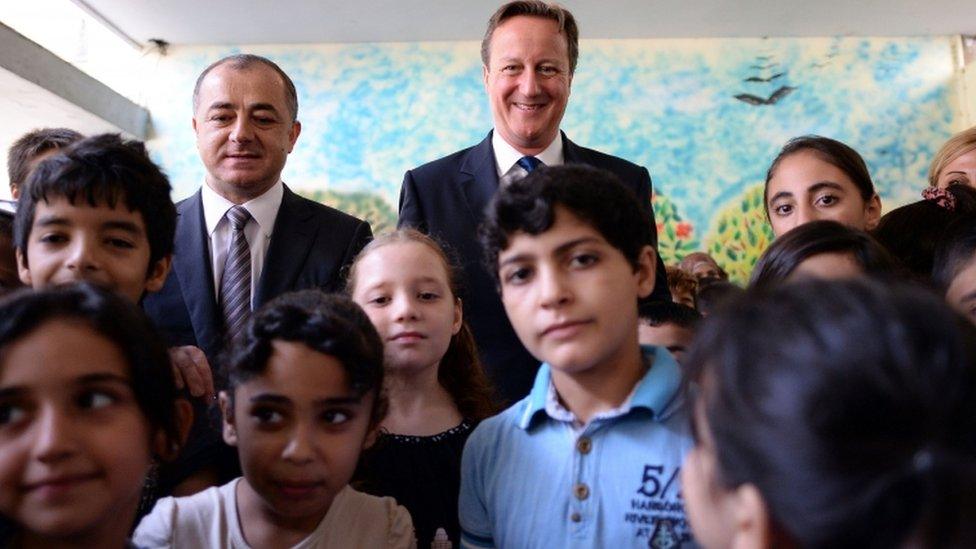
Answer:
(529, 54)
(244, 237)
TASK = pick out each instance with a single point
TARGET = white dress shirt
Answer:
(263, 210)
(506, 156)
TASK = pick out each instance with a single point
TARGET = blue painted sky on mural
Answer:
(372, 111)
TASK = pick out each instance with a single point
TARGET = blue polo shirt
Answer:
(534, 477)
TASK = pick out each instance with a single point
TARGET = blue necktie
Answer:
(529, 163)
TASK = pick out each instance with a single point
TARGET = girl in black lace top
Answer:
(434, 381)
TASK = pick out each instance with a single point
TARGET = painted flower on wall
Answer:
(676, 237)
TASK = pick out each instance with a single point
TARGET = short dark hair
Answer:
(535, 8)
(32, 144)
(657, 313)
(831, 151)
(786, 253)
(244, 61)
(912, 232)
(595, 196)
(713, 293)
(954, 252)
(850, 406)
(331, 324)
(117, 320)
(104, 169)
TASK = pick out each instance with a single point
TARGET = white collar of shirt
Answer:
(263, 209)
(506, 156)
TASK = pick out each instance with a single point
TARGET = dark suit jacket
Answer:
(309, 245)
(447, 198)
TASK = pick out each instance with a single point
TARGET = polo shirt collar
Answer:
(656, 391)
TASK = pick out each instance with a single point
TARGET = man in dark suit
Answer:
(244, 237)
(529, 54)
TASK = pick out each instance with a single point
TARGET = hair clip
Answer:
(941, 197)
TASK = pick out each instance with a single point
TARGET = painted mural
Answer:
(705, 116)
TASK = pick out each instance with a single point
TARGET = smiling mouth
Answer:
(529, 107)
(54, 486)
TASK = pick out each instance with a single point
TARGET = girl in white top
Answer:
(304, 396)
(87, 403)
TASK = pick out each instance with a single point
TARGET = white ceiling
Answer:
(313, 21)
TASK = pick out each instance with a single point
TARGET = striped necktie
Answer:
(235, 282)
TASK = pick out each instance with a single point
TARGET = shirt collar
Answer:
(655, 391)
(264, 209)
(506, 156)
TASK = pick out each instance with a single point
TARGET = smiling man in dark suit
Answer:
(244, 237)
(529, 55)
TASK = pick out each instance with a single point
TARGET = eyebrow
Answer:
(820, 185)
(269, 398)
(89, 379)
(560, 250)
(54, 220)
(222, 105)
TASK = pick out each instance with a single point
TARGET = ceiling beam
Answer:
(33, 63)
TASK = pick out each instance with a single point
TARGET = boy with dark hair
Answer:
(601, 436)
(31, 149)
(100, 211)
(669, 325)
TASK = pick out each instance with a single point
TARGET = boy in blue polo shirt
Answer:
(591, 457)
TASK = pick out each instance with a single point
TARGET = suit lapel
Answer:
(291, 239)
(573, 153)
(194, 268)
(479, 179)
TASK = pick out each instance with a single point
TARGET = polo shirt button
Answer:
(584, 445)
(575, 517)
(582, 491)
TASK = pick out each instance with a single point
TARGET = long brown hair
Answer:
(460, 371)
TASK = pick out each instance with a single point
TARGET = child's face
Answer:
(74, 444)
(674, 338)
(106, 246)
(707, 503)
(805, 188)
(298, 429)
(962, 292)
(403, 287)
(571, 296)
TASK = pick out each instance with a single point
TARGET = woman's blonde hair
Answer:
(956, 146)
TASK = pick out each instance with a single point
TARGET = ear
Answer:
(227, 411)
(22, 269)
(158, 273)
(296, 129)
(873, 212)
(645, 271)
(484, 75)
(15, 192)
(752, 527)
(166, 448)
(458, 316)
(193, 123)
